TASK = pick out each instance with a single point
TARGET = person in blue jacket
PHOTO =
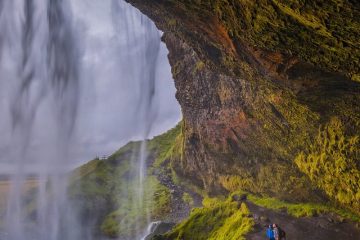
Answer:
(270, 233)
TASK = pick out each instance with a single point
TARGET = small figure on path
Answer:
(276, 232)
(270, 233)
(279, 234)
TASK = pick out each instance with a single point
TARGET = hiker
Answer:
(270, 233)
(282, 234)
(276, 232)
(279, 234)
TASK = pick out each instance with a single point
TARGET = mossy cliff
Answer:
(270, 94)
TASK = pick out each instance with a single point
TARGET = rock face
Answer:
(269, 91)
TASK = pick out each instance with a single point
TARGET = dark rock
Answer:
(256, 217)
(159, 229)
(264, 219)
(239, 198)
(283, 210)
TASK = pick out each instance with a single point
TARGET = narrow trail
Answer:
(322, 227)
(180, 209)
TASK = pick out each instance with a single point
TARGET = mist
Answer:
(99, 110)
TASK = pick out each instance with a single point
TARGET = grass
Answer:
(300, 209)
(105, 191)
(217, 220)
(167, 145)
(131, 217)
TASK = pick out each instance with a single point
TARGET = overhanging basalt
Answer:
(250, 109)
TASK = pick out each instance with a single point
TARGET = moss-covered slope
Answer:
(260, 83)
(105, 192)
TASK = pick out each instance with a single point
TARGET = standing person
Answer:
(276, 232)
(282, 233)
(270, 233)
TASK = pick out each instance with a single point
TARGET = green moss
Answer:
(199, 66)
(167, 145)
(301, 209)
(217, 220)
(85, 169)
(105, 191)
(332, 163)
(355, 77)
(131, 217)
(324, 33)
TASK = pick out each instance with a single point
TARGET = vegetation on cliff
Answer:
(274, 72)
(332, 162)
(105, 191)
(322, 32)
(216, 220)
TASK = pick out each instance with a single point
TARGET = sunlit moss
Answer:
(331, 163)
(301, 209)
(167, 145)
(106, 191)
(217, 220)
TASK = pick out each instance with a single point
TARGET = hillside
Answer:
(103, 192)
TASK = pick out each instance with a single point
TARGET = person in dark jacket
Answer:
(270, 233)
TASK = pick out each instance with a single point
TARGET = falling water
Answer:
(41, 67)
(39, 62)
(147, 42)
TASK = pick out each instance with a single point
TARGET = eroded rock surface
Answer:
(264, 86)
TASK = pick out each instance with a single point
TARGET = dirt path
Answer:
(325, 227)
(180, 209)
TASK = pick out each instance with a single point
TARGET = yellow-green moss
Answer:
(167, 145)
(217, 220)
(199, 66)
(332, 164)
(300, 209)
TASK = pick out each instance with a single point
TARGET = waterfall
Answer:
(150, 229)
(43, 68)
(39, 62)
(143, 66)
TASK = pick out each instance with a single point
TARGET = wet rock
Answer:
(160, 229)
(239, 198)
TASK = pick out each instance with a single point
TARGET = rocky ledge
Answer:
(269, 91)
